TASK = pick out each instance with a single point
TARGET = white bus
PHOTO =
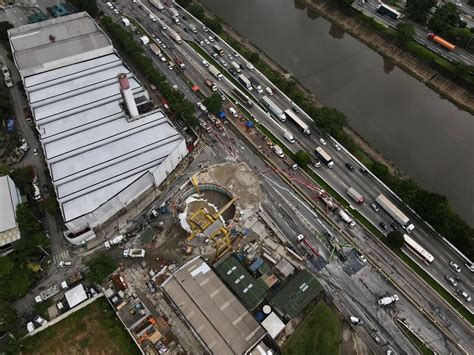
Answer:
(298, 121)
(418, 249)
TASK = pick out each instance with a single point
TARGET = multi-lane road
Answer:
(339, 178)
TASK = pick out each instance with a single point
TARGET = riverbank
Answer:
(446, 87)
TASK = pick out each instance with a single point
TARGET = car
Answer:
(206, 41)
(40, 320)
(364, 171)
(374, 207)
(205, 29)
(317, 164)
(233, 112)
(211, 38)
(269, 90)
(64, 285)
(294, 107)
(383, 225)
(205, 63)
(107, 245)
(469, 266)
(93, 292)
(154, 213)
(451, 280)
(45, 189)
(5, 71)
(233, 72)
(230, 57)
(170, 65)
(30, 327)
(151, 286)
(235, 54)
(350, 166)
(35, 151)
(125, 253)
(337, 146)
(215, 55)
(163, 59)
(361, 257)
(158, 40)
(455, 266)
(356, 321)
(223, 97)
(184, 18)
(394, 226)
(116, 11)
(322, 141)
(8, 82)
(64, 263)
(163, 45)
(223, 62)
(464, 294)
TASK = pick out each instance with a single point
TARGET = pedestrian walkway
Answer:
(62, 255)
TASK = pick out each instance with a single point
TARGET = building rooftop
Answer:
(57, 42)
(215, 314)
(75, 296)
(296, 294)
(249, 289)
(273, 325)
(9, 199)
(133, 313)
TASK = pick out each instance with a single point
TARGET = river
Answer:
(426, 136)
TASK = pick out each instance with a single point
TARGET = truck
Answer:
(155, 49)
(145, 40)
(136, 253)
(192, 28)
(329, 202)
(175, 36)
(442, 42)
(292, 165)
(211, 85)
(158, 5)
(357, 197)
(303, 127)
(345, 217)
(245, 82)
(179, 63)
(289, 137)
(395, 213)
(236, 66)
(242, 97)
(387, 300)
(48, 293)
(117, 239)
(324, 157)
(75, 278)
(126, 21)
(310, 248)
(218, 49)
(273, 108)
(256, 85)
(214, 71)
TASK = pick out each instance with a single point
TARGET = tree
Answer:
(405, 32)
(4, 27)
(197, 10)
(8, 317)
(395, 239)
(213, 103)
(23, 178)
(214, 24)
(417, 10)
(444, 19)
(461, 35)
(86, 5)
(254, 57)
(345, 2)
(329, 120)
(184, 3)
(461, 68)
(100, 267)
(302, 158)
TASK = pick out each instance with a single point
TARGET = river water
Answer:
(426, 136)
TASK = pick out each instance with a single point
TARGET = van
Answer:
(278, 151)
(250, 66)
(233, 112)
(192, 28)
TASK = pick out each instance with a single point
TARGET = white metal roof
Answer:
(273, 325)
(92, 149)
(75, 296)
(9, 199)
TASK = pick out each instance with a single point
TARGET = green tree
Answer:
(214, 24)
(254, 58)
(50, 205)
(213, 103)
(345, 2)
(302, 158)
(100, 267)
(4, 27)
(395, 239)
(9, 319)
(17, 283)
(444, 19)
(86, 5)
(184, 3)
(417, 10)
(462, 36)
(405, 32)
(197, 10)
(329, 120)
(462, 68)
(23, 178)
(6, 266)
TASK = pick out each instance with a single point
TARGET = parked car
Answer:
(317, 164)
(45, 188)
(151, 286)
(361, 257)
(107, 245)
(125, 253)
(8, 82)
(40, 321)
(35, 151)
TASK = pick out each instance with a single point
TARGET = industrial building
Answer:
(218, 319)
(9, 199)
(102, 148)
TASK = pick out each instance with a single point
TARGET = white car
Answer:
(269, 90)
(464, 294)
(235, 54)
(337, 146)
(30, 327)
(223, 62)
(455, 266)
(205, 29)
(8, 82)
(40, 321)
(211, 38)
(205, 63)
(107, 245)
(322, 141)
(206, 41)
(233, 112)
(362, 257)
(35, 151)
(317, 164)
(64, 263)
(125, 253)
(230, 57)
(356, 321)
(163, 58)
(116, 11)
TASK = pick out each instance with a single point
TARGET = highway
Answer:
(339, 178)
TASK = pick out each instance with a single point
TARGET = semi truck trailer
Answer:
(395, 213)
(324, 157)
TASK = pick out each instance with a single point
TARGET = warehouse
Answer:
(9, 199)
(218, 319)
(102, 149)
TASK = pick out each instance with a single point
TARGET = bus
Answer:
(241, 97)
(298, 121)
(273, 108)
(324, 157)
(383, 9)
(418, 249)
